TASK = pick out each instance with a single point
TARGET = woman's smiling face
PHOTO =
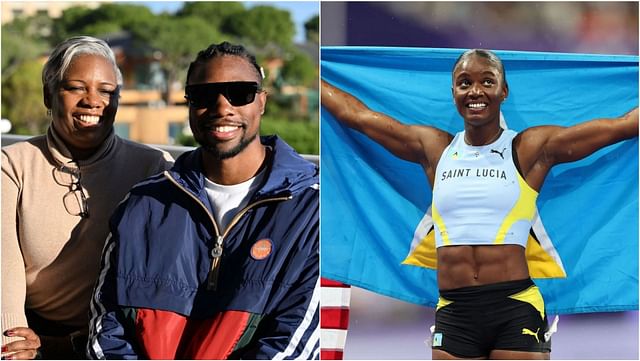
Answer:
(85, 103)
(478, 90)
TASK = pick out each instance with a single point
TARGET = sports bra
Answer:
(479, 196)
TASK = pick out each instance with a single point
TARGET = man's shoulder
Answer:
(146, 197)
(171, 179)
(287, 156)
(151, 186)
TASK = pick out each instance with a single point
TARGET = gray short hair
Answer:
(63, 54)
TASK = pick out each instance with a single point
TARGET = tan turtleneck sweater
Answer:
(50, 258)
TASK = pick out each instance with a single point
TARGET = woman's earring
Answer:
(49, 112)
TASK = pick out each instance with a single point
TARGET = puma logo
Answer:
(526, 331)
(500, 153)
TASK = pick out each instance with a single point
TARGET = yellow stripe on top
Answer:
(437, 219)
(524, 209)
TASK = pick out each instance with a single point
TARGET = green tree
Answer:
(69, 23)
(215, 13)
(22, 100)
(23, 43)
(262, 25)
(178, 39)
(312, 29)
(108, 18)
(302, 135)
(299, 69)
(22, 40)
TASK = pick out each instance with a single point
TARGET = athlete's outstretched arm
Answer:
(542, 147)
(576, 142)
(409, 142)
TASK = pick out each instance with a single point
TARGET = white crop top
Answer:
(479, 197)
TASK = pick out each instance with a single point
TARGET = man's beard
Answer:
(219, 154)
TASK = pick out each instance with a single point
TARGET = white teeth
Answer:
(225, 129)
(477, 105)
(91, 119)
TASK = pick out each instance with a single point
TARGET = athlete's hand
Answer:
(26, 349)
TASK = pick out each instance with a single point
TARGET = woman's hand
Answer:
(26, 349)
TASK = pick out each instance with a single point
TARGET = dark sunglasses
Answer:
(238, 93)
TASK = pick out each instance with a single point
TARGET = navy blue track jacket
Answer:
(174, 286)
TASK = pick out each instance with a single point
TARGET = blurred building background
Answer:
(53, 9)
(384, 328)
(153, 51)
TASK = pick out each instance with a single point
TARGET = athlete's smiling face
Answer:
(478, 90)
(223, 129)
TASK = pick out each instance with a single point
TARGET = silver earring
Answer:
(49, 113)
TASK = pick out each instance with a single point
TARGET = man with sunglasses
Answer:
(218, 257)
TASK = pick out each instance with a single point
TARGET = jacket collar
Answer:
(289, 173)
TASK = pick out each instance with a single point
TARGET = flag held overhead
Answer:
(377, 225)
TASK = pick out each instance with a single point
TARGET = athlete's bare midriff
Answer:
(462, 266)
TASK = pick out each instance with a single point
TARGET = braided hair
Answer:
(222, 49)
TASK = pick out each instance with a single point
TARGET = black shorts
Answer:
(473, 321)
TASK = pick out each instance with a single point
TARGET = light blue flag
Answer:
(376, 208)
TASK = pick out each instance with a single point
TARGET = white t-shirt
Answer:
(227, 200)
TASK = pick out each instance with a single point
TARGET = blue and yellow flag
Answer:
(376, 221)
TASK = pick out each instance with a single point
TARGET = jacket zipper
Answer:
(216, 252)
(212, 281)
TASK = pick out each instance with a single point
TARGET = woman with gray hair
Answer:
(58, 192)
